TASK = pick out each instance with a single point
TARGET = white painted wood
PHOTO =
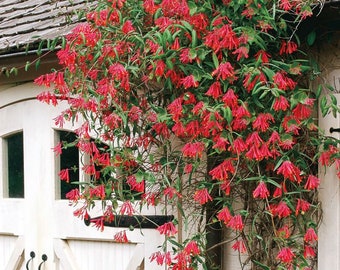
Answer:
(137, 258)
(101, 255)
(329, 194)
(65, 255)
(16, 258)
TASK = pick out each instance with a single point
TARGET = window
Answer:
(14, 166)
(69, 159)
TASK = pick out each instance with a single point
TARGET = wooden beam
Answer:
(138, 221)
(65, 255)
(17, 258)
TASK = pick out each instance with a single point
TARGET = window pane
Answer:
(69, 159)
(15, 167)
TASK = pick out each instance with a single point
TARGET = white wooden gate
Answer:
(40, 222)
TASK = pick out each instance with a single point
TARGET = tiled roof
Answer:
(26, 22)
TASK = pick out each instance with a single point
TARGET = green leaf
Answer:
(323, 106)
(14, 71)
(139, 176)
(187, 25)
(37, 64)
(193, 39)
(227, 114)
(28, 63)
(318, 91)
(311, 37)
(265, 267)
(274, 183)
(215, 60)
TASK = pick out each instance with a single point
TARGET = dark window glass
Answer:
(69, 159)
(15, 166)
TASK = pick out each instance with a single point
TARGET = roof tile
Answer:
(25, 22)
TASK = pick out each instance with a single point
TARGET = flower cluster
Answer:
(200, 104)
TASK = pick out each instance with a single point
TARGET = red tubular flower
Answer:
(274, 138)
(161, 258)
(89, 169)
(193, 129)
(239, 246)
(192, 248)
(161, 129)
(238, 146)
(202, 196)
(222, 171)
(225, 187)
(312, 182)
(261, 123)
(224, 215)
(127, 209)
(73, 195)
(189, 81)
(254, 153)
(198, 108)
(223, 37)
(136, 186)
(58, 149)
(160, 68)
(171, 192)
(188, 168)
(283, 81)
(225, 71)
(285, 5)
(48, 98)
(261, 191)
(167, 229)
(220, 143)
(309, 252)
(289, 171)
(236, 223)
(214, 90)
(263, 55)
(113, 121)
(291, 47)
(242, 52)
(288, 47)
(150, 6)
(178, 129)
(186, 56)
(150, 198)
(283, 232)
(175, 108)
(302, 206)
(302, 111)
(193, 150)
(175, 46)
(127, 27)
(280, 104)
(118, 71)
(277, 193)
(230, 99)
(281, 210)
(310, 236)
(121, 237)
(254, 139)
(64, 175)
(158, 257)
(285, 255)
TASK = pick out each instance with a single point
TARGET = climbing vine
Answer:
(204, 107)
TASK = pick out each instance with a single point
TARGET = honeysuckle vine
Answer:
(205, 106)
